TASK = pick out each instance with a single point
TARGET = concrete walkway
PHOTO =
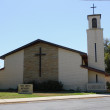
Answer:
(20, 100)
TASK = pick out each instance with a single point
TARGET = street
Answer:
(69, 104)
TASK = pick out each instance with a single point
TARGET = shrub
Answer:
(50, 86)
(33, 83)
(108, 85)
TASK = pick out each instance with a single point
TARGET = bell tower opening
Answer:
(94, 23)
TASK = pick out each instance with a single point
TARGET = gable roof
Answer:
(41, 41)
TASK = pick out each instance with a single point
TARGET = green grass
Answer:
(10, 95)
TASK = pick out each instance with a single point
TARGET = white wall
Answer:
(92, 77)
(70, 72)
(95, 36)
(12, 75)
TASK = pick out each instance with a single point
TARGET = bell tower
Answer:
(95, 42)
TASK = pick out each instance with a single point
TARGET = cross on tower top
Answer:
(93, 8)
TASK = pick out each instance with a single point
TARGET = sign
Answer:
(25, 88)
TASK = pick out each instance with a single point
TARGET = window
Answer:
(95, 46)
(94, 23)
(96, 78)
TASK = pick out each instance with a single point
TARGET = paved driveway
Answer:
(70, 104)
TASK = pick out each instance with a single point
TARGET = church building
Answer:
(41, 61)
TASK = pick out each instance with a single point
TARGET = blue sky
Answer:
(63, 22)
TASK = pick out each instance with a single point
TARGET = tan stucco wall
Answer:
(92, 77)
(70, 72)
(12, 75)
(95, 36)
(49, 69)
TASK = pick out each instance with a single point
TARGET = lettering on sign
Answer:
(25, 88)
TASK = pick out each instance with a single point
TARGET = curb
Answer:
(25, 100)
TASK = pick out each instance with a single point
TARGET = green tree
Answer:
(107, 55)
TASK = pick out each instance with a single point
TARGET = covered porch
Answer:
(96, 79)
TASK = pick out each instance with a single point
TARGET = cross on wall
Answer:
(40, 54)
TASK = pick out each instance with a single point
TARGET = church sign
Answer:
(25, 88)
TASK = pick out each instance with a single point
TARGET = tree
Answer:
(107, 55)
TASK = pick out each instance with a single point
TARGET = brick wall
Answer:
(49, 63)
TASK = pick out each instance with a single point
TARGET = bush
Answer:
(108, 85)
(47, 86)
(50, 86)
(33, 83)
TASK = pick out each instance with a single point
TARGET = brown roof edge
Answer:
(2, 68)
(40, 41)
(95, 70)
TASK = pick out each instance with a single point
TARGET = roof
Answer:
(2, 68)
(40, 41)
(95, 70)
(94, 15)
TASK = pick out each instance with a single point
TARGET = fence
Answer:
(96, 86)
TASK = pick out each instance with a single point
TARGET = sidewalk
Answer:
(20, 100)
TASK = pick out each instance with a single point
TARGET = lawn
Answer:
(10, 95)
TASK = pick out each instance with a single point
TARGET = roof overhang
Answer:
(94, 15)
(41, 41)
(95, 70)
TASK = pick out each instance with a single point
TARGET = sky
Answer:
(62, 22)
